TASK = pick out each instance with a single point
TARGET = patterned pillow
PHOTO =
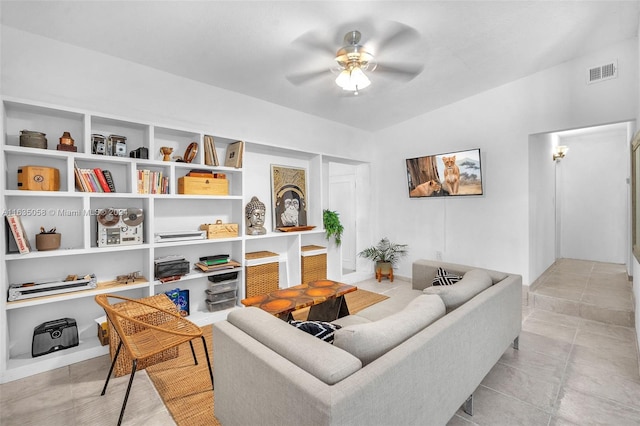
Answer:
(320, 329)
(445, 278)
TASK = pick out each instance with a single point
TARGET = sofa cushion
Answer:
(457, 294)
(301, 349)
(371, 340)
(320, 329)
(444, 277)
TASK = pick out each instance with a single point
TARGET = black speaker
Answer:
(53, 336)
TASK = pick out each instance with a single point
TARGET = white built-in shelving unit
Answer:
(73, 214)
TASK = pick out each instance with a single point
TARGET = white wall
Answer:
(594, 190)
(542, 204)
(493, 230)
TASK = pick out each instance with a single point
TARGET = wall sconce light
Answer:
(559, 152)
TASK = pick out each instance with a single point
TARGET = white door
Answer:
(342, 199)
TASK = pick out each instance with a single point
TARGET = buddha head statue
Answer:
(255, 213)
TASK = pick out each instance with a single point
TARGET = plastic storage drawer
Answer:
(217, 297)
(223, 304)
(222, 286)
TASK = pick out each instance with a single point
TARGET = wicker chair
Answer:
(146, 329)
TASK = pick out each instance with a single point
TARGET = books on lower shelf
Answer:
(18, 233)
(152, 182)
(93, 180)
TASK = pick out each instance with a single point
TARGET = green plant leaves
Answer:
(332, 225)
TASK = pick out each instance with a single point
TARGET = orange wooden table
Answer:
(324, 297)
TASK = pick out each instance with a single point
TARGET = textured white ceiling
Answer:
(465, 47)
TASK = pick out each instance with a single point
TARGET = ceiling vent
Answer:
(602, 72)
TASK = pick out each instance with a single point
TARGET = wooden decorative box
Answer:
(314, 263)
(38, 178)
(203, 186)
(263, 272)
(220, 230)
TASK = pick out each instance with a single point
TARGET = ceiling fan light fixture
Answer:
(353, 79)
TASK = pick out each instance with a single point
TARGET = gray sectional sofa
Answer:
(412, 359)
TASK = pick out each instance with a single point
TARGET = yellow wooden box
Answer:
(193, 185)
(220, 230)
(38, 178)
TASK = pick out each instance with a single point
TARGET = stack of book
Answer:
(216, 263)
(94, 180)
(152, 182)
(18, 241)
(210, 155)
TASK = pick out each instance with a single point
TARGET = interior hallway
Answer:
(570, 370)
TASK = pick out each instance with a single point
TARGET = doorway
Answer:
(579, 205)
(342, 199)
(592, 187)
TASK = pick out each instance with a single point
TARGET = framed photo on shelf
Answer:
(289, 196)
(450, 174)
(234, 155)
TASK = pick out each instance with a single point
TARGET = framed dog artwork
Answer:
(450, 174)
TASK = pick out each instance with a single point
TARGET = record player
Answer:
(120, 227)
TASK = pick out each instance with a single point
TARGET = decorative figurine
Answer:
(166, 151)
(255, 211)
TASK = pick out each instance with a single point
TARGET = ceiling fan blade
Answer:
(405, 72)
(307, 77)
(396, 35)
(314, 42)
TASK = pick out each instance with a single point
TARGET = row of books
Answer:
(94, 180)
(152, 182)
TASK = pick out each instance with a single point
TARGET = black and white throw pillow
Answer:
(320, 329)
(445, 278)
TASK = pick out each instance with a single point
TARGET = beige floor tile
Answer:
(552, 304)
(585, 409)
(595, 381)
(555, 331)
(626, 334)
(511, 411)
(531, 342)
(610, 343)
(606, 359)
(535, 363)
(524, 385)
(556, 318)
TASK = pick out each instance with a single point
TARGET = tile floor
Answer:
(570, 369)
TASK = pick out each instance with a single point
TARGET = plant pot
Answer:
(48, 241)
(384, 267)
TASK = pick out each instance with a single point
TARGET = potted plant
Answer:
(332, 225)
(386, 255)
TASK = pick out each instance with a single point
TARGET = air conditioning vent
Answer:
(602, 72)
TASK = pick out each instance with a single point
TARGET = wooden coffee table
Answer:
(324, 297)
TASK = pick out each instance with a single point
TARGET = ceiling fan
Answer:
(353, 61)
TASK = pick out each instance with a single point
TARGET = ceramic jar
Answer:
(33, 139)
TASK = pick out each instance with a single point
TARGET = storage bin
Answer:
(220, 305)
(223, 286)
(262, 272)
(314, 263)
(219, 297)
(223, 277)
